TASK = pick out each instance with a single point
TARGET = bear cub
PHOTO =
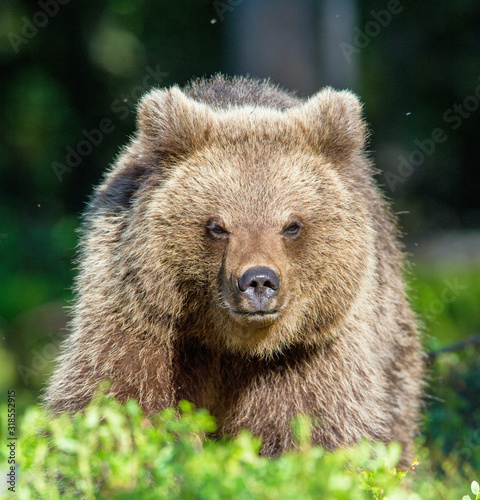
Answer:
(240, 255)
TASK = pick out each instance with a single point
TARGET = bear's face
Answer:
(260, 229)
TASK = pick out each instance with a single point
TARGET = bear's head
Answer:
(247, 229)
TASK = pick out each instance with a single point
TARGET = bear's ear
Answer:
(333, 123)
(172, 123)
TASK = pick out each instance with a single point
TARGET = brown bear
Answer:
(240, 255)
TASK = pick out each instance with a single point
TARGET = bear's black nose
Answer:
(259, 284)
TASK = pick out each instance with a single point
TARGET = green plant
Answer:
(115, 451)
(475, 490)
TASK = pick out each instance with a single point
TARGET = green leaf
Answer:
(475, 488)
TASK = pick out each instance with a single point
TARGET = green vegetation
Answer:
(452, 420)
(114, 451)
(475, 490)
(446, 300)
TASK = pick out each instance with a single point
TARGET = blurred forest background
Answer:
(71, 73)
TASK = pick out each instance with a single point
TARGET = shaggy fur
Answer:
(155, 311)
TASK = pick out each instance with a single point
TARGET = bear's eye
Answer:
(215, 230)
(293, 229)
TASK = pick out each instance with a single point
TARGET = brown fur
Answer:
(154, 303)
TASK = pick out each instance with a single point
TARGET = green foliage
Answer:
(452, 422)
(446, 300)
(475, 490)
(114, 451)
